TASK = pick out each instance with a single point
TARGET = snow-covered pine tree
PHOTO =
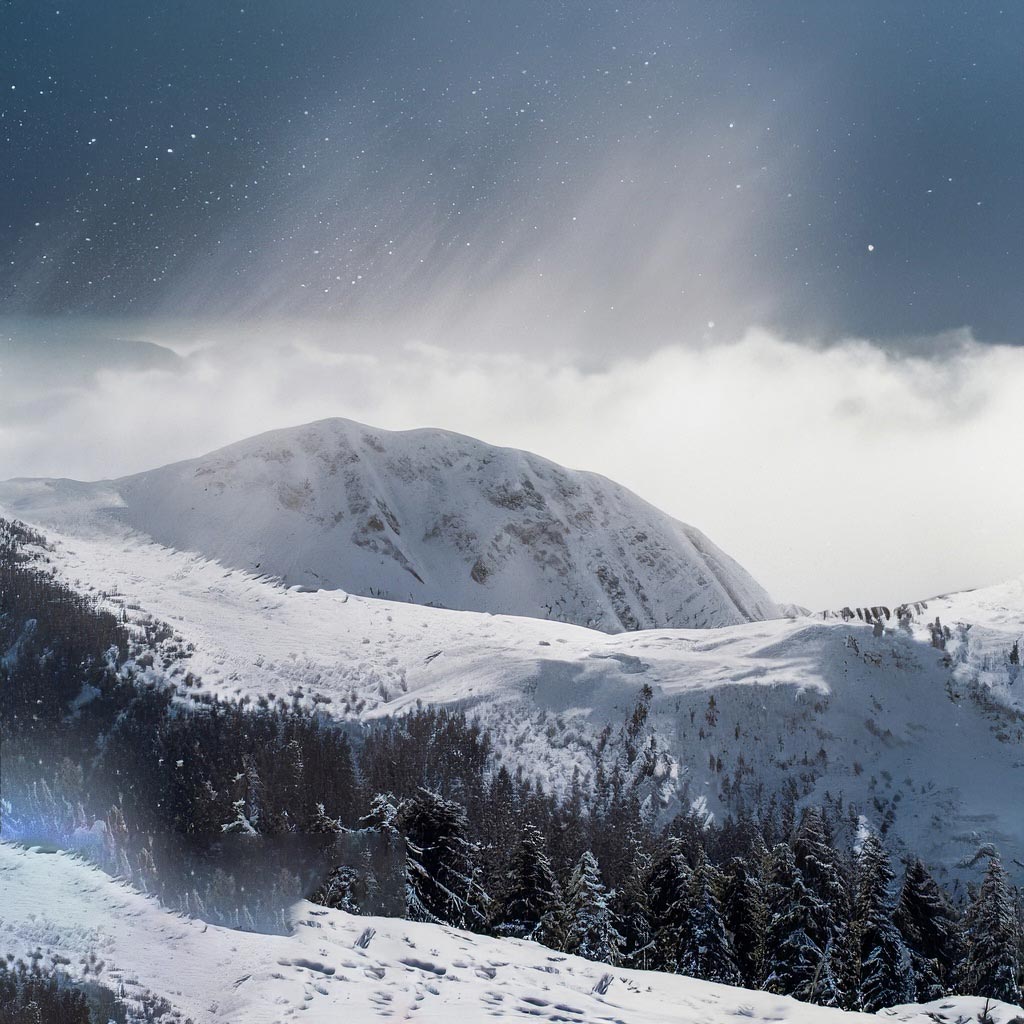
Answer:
(500, 819)
(589, 922)
(248, 803)
(383, 814)
(442, 883)
(707, 949)
(669, 888)
(240, 823)
(746, 916)
(838, 982)
(340, 890)
(793, 959)
(823, 873)
(632, 906)
(530, 906)
(379, 853)
(929, 926)
(295, 797)
(886, 977)
(334, 775)
(322, 824)
(991, 966)
(611, 842)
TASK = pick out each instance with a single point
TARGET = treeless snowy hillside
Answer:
(336, 967)
(424, 516)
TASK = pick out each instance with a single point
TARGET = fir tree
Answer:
(822, 873)
(886, 978)
(340, 890)
(530, 906)
(442, 884)
(931, 931)
(293, 788)
(632, 906)
(991, 967)
(322, 824)
(240, 823)
(838, 982)
(669, 886)
(793, 959)
(589, 923)
(382, 815)
(746, 917)
(707, 950)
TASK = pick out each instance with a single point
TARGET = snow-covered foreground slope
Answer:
(425, 516)
(335, 967)
(931, 739)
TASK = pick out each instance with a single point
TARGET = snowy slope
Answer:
(424, 516)
(403, 971)
(823, 707)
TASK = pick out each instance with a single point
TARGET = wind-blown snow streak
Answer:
(424, 516)
(336, 967)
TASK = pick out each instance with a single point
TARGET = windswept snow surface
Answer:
(931, 739)
(424, 516)
(336, 967)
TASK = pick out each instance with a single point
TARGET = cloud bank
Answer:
(837, 474)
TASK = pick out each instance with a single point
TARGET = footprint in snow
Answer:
(425, 965)
(535, 1001)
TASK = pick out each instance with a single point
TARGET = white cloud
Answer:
(837, 474)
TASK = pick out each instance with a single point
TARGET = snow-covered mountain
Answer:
(923, 740)
(424, 516)
(916, 724)
(338, 967)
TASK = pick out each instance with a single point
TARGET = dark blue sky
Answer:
(639, 170)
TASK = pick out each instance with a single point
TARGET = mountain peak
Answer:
(434, 517)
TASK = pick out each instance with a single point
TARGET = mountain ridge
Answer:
(427, 516)
(897, 722)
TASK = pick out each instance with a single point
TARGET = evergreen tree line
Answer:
(204, 800)
(31, 995)
(34, 993)
(229, 810)
(797, 917)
